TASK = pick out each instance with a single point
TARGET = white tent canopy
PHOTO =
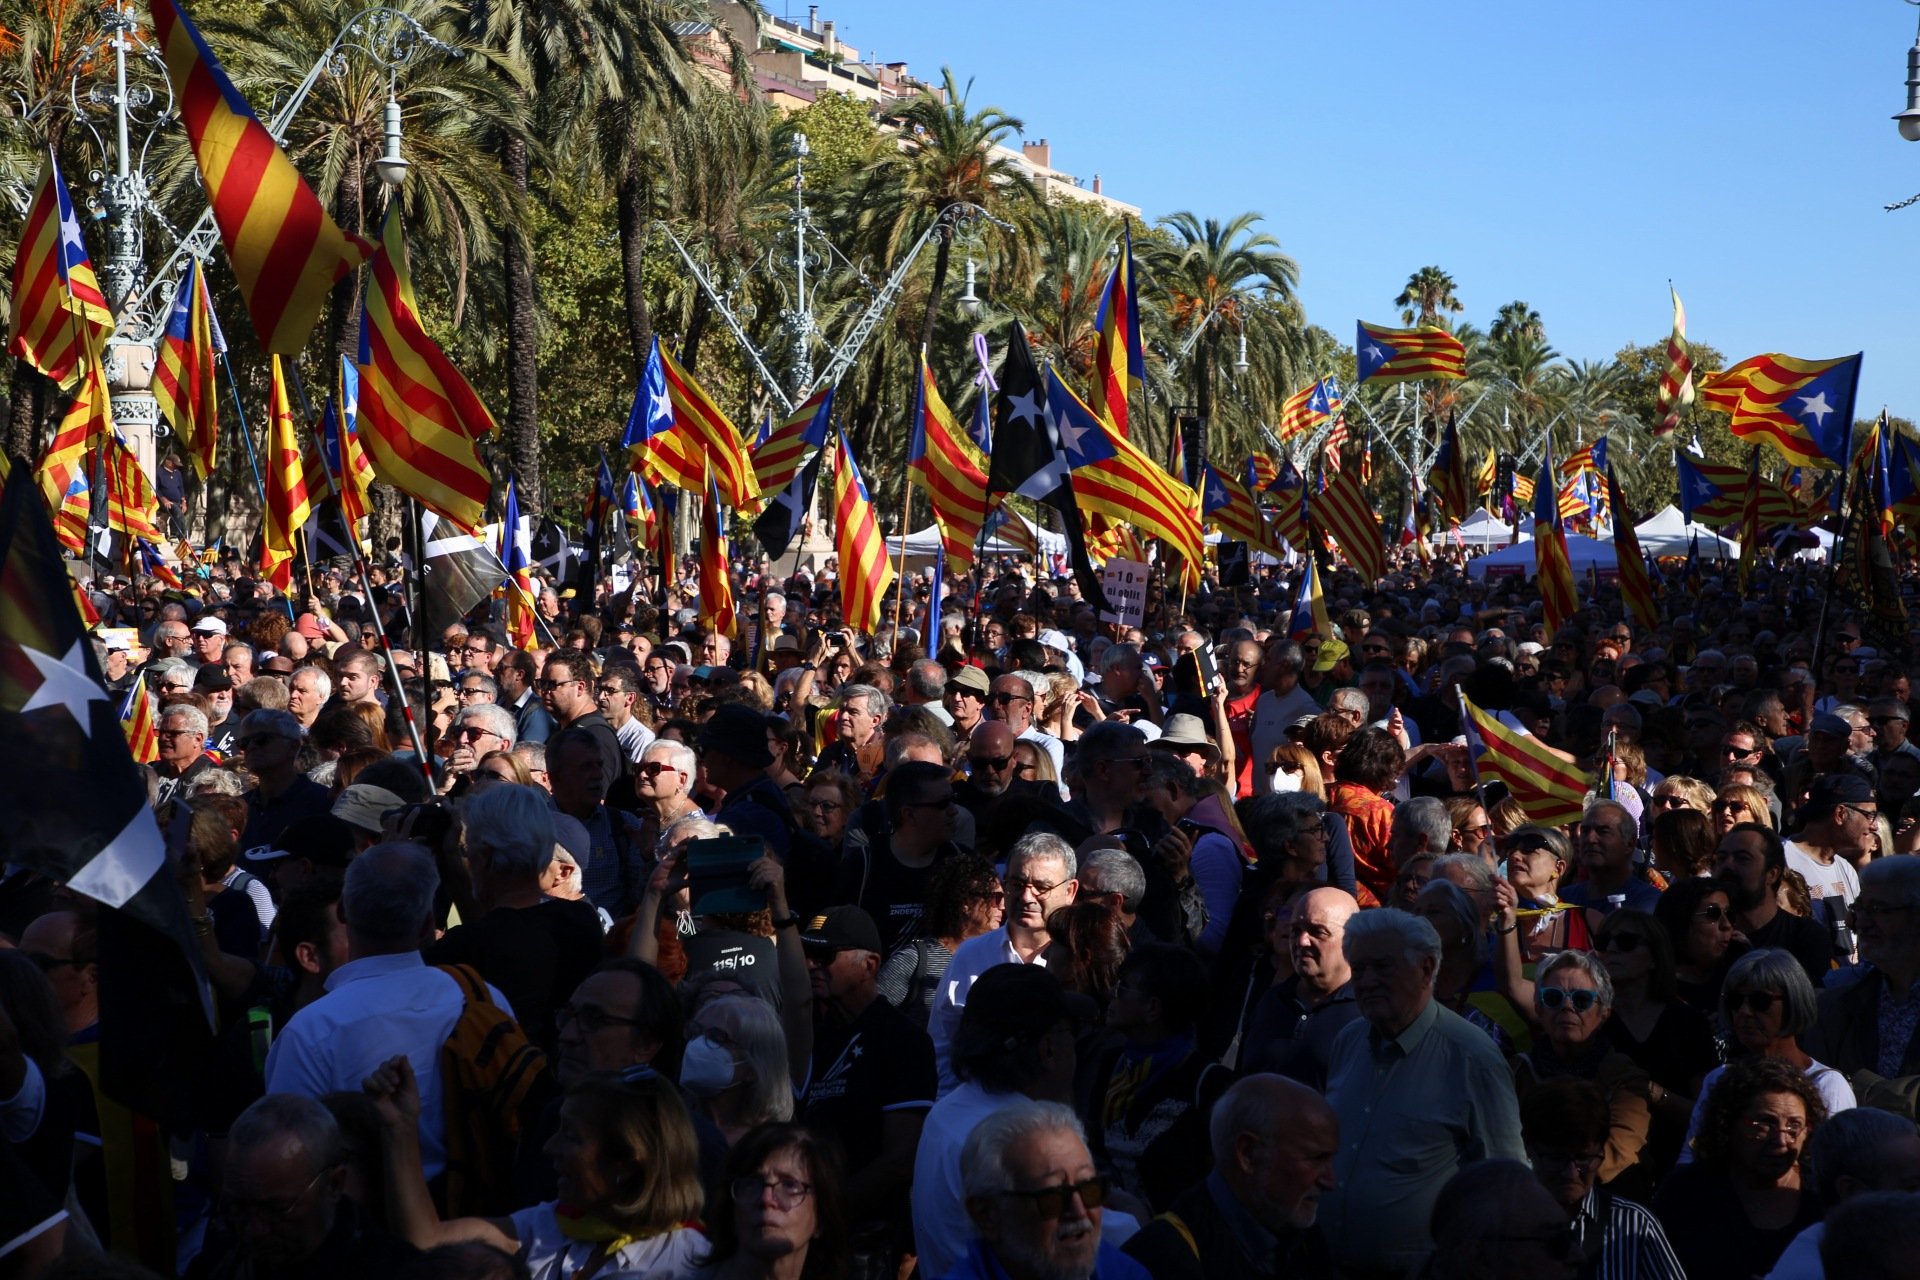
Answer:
(1479, 530)
(1584, 553)
(926, 541)
(1667, 533)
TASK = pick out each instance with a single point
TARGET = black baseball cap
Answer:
(844, 928)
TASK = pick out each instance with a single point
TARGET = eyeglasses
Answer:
(1753, 1001)
(1622, 942)
(546, 686)
(787, 1192)
(994, 763)
(268, 1212)
(1713, 913)
(1869, 814)
(1584, 1162)
(1001, 699)
(825, 806)
(470, 691)
(472, 733)
(1731, 806)
(1768, 1127)
(177, 733)
(590, 1018)
(1051, 1202)
(654, 768)
(1020, 885)
(1671, 802)
(476, 648)
(1555, 998)
(1729, 749)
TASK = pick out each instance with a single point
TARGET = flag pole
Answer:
(1835, 557)
(366, 589)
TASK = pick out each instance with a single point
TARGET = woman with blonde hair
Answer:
(1736, 803)
(629, 1180)
(1682, 792)
(1300, 768)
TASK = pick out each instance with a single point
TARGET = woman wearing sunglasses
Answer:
(1698, 918)
(1765, 1007)
(1671, 1041)
(1572, 1000)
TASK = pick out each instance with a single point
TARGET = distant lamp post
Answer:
(1240, 364)
(1909, 120)
(970, 302)
(392, 166)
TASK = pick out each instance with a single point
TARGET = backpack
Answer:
(487, 1068)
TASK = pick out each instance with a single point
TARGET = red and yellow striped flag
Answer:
(688, 442)
(1549, 789)
(137, 722)
(943, 460)
(1676, 380)
(778, 457)
(183, 373)
(1348, 517)
(289, 503)
(865, 574)
(60, 317)
(420, 421)
(87, 423)
(1119, 364)
(286, 252)
(716, 580)
(1636, 588)
(131, 505)
(1552, 567)
(76, 507)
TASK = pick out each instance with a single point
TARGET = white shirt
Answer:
(374, 1008)
(974, 957)
(551, 1255)
(1271, 716)
(634, 738)
(941, 1227)
(1833, 886)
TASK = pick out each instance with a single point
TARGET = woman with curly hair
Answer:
(964, 900)
(1087, 944)
(1734, 1210)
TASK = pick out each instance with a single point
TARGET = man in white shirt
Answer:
(616, 692)
(1039, 881)
(1283, 702)
(1840, 816)
(384, 1001)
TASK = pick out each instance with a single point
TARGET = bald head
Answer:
(1326, 904)
(990, 757)
(1274, 1141)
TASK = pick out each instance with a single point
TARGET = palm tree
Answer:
(1232, 280)
(946, 157)
(1429, 293)
(1519, 318)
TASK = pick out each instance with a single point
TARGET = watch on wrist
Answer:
(786, 921)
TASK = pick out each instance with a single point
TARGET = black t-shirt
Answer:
(1808, 941)
(267, 819)
(747, 958)
(879, 1063)
(894, 894)
(535, 955)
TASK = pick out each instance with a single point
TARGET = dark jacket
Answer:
(1846, 1036)
(1194, 1241)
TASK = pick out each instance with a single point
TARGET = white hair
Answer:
(677, 754)
(492, 717)
(322, 682)
(196, 719)
(983, 1161)
(1417, 938)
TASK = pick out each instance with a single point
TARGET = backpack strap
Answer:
(1179, 1224)
(473, 988)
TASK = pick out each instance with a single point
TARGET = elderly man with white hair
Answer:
(1419, 1093)
(1035, 1200)
(477, 731)
(183, 750)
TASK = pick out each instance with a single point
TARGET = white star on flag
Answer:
(70, 234)
(64, 682)
(1070, 434)
(1817, 408)
(1025, 408)
(1375, 353)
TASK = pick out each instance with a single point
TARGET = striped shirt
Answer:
(1632, 1244)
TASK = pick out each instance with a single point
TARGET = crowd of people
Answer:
(1003, 943)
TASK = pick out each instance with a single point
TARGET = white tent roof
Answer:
(1481, 529)
(1667, 533)
(926, 541)
(1583, 552)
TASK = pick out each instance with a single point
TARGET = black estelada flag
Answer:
(1028, 459)
(779, 524)
(555, 552)
(72, 803)
(460, 571)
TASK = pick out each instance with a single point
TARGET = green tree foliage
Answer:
(842, 138)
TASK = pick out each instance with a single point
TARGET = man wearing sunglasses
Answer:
(1839, 822)
(1011, 700)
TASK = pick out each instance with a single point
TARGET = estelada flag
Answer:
(60, 317)
(1406, 355)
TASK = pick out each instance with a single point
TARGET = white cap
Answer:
(211, 626)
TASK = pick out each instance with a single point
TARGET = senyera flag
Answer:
(286, 252)
(865, 574)
(1549, 789)
(1636, 586)
(943, 460)
(1552, 567)
(1119, 364)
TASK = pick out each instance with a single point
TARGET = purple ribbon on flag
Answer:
(985, 377)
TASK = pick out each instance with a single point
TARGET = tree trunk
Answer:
(635, 197)
(350, 212)
(25, 410)
(1204, 399)
(942, 257)
(701, 312)
(523, 366)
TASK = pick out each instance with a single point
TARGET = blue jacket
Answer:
(1110, 1264)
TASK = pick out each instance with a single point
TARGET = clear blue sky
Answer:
(1576, 156)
